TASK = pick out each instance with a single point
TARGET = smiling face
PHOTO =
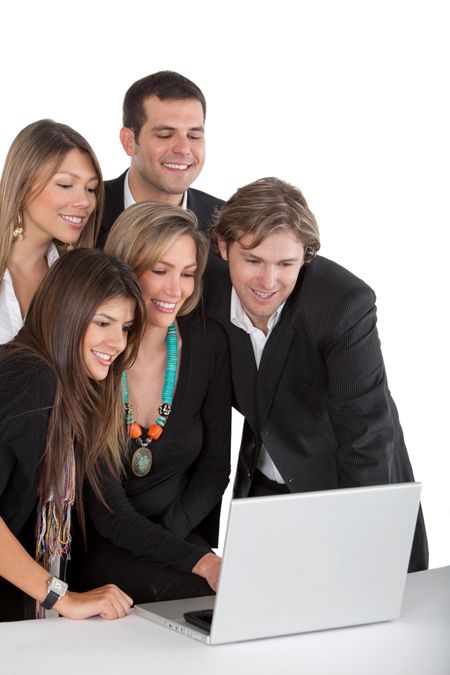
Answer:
(170, 282)
(170, 151)
(62, 209)
(106, 336)
(264, 276)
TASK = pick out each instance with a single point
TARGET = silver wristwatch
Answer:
(56, 590)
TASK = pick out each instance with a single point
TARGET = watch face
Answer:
(57, 586)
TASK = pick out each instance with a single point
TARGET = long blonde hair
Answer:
(44, 143)
(145, 231)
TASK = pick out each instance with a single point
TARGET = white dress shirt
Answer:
(258, 339)
(11, 320)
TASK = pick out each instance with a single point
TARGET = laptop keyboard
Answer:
(202, 618)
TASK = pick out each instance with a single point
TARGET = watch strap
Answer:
(50, 600)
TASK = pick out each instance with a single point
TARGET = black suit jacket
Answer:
(202, 204)
(320, 400)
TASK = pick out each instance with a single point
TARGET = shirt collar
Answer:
(129, 200)
(52, 254)
(240, 319)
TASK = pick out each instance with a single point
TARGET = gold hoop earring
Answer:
(18, 231)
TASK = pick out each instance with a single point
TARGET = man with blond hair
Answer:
(307, 368)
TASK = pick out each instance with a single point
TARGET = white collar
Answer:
(129, 200)
(52, 254)
(239, 317)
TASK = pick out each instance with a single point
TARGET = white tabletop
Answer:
(418, 643)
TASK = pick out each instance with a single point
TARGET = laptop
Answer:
(304, 562)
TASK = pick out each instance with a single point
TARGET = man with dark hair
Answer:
(163, 133)
(308, 373)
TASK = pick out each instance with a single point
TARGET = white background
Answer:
(348, 100)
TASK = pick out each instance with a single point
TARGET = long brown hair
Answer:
(41, 145)
(86, 413)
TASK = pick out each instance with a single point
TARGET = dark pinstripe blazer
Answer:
(320, 400)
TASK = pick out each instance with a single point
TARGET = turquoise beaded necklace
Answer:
(142, 459)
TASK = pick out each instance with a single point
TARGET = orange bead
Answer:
(134, 430)
(154, 432)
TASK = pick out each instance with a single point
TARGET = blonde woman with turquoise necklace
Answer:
(156, 540)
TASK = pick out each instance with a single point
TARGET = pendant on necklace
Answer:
(141, 462)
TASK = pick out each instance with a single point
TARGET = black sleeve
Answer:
(27, 394)
(210, 473)
(129, 529)
(360, 406)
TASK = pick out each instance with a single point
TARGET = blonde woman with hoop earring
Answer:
(51, 199)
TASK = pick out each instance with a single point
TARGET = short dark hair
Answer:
(166, 85)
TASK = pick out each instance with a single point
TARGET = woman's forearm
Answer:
(19, 568)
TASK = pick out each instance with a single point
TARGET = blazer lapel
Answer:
(114, 205)
(273, 361)
(244, 373)
(243, 365)
(117, 197)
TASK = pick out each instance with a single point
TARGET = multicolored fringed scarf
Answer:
(53, 537)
